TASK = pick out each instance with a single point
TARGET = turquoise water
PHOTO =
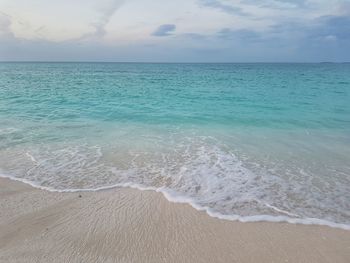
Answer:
(241, 141)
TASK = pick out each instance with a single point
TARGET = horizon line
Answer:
(171, 62)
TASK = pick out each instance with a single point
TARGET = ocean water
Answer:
(245, 142)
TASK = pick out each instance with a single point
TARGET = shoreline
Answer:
(171, 197)
(128, 225)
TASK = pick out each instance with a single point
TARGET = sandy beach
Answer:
(188, 131)
(127, 225)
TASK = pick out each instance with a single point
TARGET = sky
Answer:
(175, 31)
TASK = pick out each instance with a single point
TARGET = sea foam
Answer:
(174, 197)
(197, 171)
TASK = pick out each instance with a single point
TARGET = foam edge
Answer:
(174, 197)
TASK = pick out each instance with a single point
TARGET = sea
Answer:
(247, 142)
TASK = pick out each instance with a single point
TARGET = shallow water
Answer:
(246, 141)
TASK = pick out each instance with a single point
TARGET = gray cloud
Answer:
(325, 38)
(164, 30)
(5, 24)
(316, 29)
(217, 4)
(344, 8)
(246, 35)
(195, 36)
(276, 4)
(337, 26)
(328, 38)
(106, 11)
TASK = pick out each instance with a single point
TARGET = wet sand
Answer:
(127, 225)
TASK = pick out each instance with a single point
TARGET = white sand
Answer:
(125, 225)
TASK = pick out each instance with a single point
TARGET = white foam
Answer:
(31, 157)
(174, 197)
(196, 170)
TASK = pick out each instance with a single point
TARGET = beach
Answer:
(152, 162)
(174, 131)
(129, 225)
(242, 141)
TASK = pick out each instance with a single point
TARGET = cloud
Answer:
(336, 26)
(195, 36)
(79, 22)
(327, 39)
(240, 35)
(217, 4)
(5, 26)
(293, 2)
(106, 10)
(274, 30)
(164, 30)
(344, 8)
(277, 4)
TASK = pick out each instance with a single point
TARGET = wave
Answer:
(175, 197)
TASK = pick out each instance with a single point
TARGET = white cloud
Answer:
(58, 20)
(128, 24)
(135, 19)
(5, 24)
